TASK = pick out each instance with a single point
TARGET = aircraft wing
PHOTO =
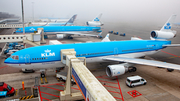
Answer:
(143, 62)
(79, 33)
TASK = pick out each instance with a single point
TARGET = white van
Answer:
(135, 81)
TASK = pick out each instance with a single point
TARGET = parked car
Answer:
(135, 81)
(28, 71)
(5, 87)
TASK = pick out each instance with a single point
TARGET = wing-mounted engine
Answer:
(94, 23)
(163, 34)
(119, 69)
(60, 36)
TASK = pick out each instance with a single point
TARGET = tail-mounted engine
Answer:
(163, 35)
(94, 23)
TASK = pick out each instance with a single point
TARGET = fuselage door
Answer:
(115, 51)
(27, 58)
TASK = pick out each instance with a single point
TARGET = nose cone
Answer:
(6, 61)
(19, 30)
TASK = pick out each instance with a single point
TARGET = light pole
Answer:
(22, 16)
(33, 10)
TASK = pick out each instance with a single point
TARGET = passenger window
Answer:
(142, 79)
(135, 81)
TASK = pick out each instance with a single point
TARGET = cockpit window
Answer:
(15, 57)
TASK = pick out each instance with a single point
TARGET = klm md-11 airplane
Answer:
(68, 31)
(48, 56)
(54, 22)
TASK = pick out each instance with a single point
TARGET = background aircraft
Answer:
(68, 31)
(55, 22)
(126, 52)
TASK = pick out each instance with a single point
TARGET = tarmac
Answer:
(161, 84)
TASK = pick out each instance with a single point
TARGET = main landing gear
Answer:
(132, 69)
(70, 37)
(43, 76)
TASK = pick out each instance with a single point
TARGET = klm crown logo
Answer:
(96, 19)
(168, 26)
(47, 51)
(32, 29)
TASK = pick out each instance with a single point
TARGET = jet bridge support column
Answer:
(91, 89)
(66, 94)
(42, 35)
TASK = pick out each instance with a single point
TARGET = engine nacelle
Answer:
(60, 36)
(94, 23)
(116, 70)
(162, 35)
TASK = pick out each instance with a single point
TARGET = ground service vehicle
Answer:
(135, 81)
(12, 44)
(5, 87)
(62, 77)
(7, 50)
(19, 47)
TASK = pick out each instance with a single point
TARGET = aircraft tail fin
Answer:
(96, 21)
(97, 18)
(168, 25)
(71, 20)
(106, 38)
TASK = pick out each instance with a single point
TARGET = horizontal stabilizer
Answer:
(172, 45)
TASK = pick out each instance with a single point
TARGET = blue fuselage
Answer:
(49, 53)
(31, 29)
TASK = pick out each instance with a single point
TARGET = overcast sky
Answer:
(113, 10)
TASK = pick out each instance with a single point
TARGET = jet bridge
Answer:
(91, 89)
(12, 25)
(32, 38)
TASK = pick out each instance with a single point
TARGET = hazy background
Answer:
(130, 16)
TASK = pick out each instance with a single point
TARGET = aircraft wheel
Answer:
(170, 70)
(42, 75)
(134, 69)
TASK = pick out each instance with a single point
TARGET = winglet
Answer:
(106, 38)
(71, 20)
(168, 25)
